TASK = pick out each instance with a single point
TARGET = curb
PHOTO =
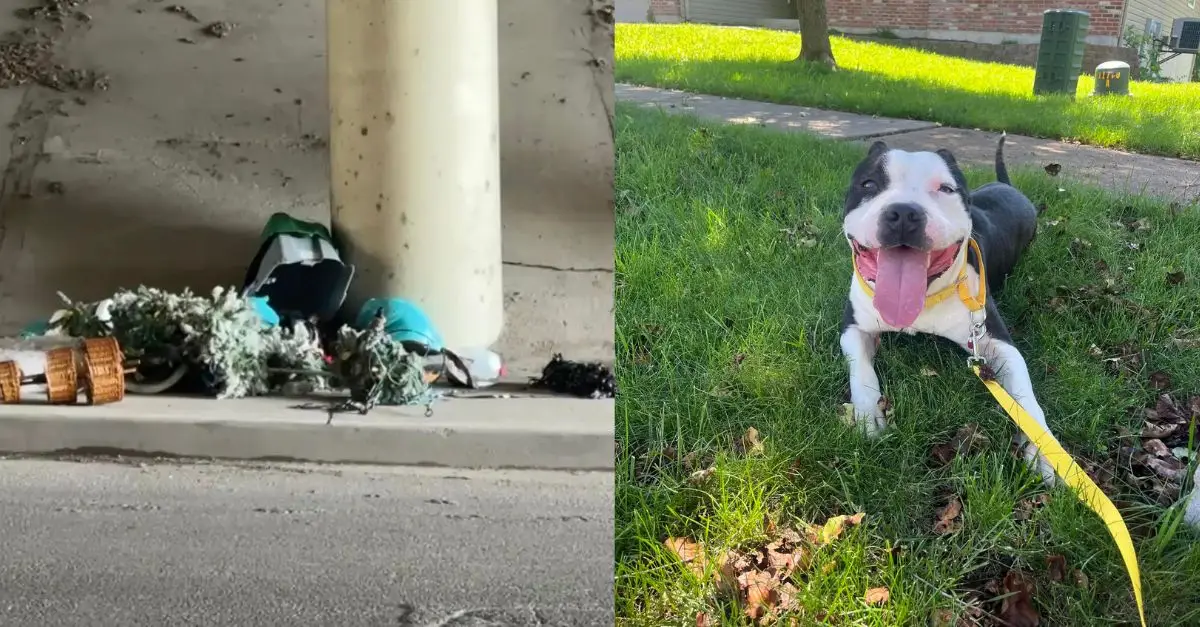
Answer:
(532, 433)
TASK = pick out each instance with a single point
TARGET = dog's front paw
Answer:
(870, 415)
(1040, 465)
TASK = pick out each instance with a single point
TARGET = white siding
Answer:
(1165, 11)
(739, 12)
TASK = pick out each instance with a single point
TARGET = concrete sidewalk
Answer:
(1175, 179)
(548, 433)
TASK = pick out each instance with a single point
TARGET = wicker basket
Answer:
(10, 382)
(62, 376)
(105, 371)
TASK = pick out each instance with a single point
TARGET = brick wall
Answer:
(666, 8)
(998, 16)
(1013, 54)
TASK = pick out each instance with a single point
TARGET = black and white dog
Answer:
(912, 225)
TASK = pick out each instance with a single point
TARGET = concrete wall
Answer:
(167, 178)
(556, 103)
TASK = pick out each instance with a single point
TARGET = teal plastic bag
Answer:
(405, 322)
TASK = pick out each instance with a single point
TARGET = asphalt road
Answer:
(125, 544)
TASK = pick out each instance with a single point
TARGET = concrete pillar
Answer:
(414, 150)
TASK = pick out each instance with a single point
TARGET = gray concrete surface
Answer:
(537, 432)
(104, 545)
(1174, 179)
(168, 176)
(767, 115)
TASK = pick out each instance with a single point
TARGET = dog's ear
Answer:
(948, 157)
(960, 181)
(876, 149)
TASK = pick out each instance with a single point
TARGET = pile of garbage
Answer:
(281, 333)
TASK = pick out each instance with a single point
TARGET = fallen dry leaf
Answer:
(701, 476)
(1056, 567)
(769, 526)
(942, 618)
(877, 596)
(1156, 447)
(761, 597)
(1017, 608)
(833, 528)
(947, 517)
(704, 619)
(1168, 468)
(965, 441)
(750, 443)
(689, 552)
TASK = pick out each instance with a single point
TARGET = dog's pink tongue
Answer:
(900, 285)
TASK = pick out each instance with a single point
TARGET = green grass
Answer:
(898, 82)
(725, 322)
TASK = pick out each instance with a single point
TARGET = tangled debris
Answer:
(225, 341)
(220, 337)
(586, 380)
(377, 370)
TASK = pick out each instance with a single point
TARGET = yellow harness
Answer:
(1058, 458)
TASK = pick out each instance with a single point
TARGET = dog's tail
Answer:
(1001, 171)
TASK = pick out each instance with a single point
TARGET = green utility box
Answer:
(1060, 52)
(1112, 77)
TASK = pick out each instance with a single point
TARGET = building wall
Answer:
(666, 10)
(942, 19)
(1165, 11)
(1009, 53)
(739, 12)
(633, 11)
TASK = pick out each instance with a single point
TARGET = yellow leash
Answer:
(1059, 459)
(1074, 476)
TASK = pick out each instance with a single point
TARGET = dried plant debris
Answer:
(1156, 460)
(184, 12)
(968, 440)
(759, 578)
(948, 518)
(27, 54)
(55, 11)
(220, 30)
(586, 380)
(1017, 610)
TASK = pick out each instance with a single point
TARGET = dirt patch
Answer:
(27, 54)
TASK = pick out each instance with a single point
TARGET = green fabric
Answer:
(281, 223)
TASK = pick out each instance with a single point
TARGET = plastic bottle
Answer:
(484, 366)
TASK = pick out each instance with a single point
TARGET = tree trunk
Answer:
(814, 33)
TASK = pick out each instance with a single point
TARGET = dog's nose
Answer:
(902, 222)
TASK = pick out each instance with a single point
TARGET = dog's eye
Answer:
(868, 184)
(947, 189)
